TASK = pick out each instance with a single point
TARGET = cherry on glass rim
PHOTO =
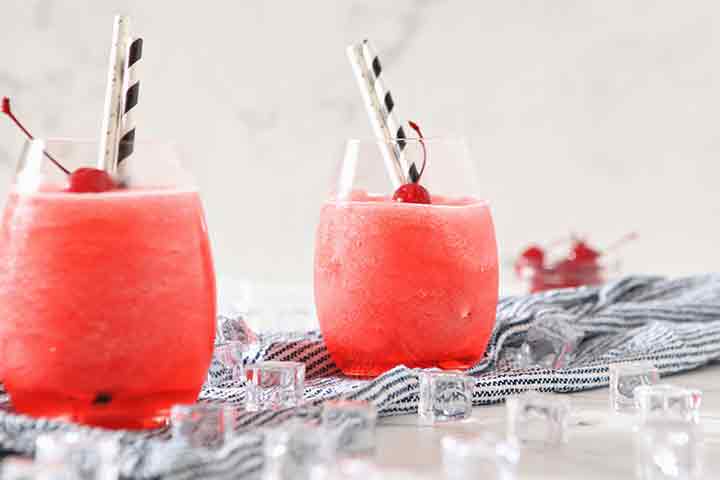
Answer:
(90, 180)
(412, 193)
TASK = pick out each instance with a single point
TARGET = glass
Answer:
(405, 283)
(565, 274)
(107, 300)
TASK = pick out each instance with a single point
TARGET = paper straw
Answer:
(395, 127)
(132, 93)
(380, 108)
(107, 158)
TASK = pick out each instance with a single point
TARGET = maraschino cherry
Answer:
(90, 180)
(532, 257)
(583, 253)
(82, 180)
(413, 192)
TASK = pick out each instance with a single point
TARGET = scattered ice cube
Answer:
(274, 385)
(668, 449)
(668, 402)
(624, 378)
(234, 328)
(537, 418)
(86, 457)
(550, 343)
(299, 451)
(202, 425)
(479, 455)
(355, 420)
(230, 356)
(445, 396)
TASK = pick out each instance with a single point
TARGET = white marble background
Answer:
(593, 116)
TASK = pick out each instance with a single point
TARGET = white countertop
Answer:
(599, 447)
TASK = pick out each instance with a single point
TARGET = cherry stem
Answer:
(621, 241)
(6, 110)
(415, 127)
(558, 241)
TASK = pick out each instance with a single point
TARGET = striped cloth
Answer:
(675, 323)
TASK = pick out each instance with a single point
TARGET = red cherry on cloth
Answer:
(533, 255)
(90, 180)
(412, 193)
(532, 258)
(582, 252)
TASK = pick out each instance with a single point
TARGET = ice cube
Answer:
(234, 328)
(445, 396)
(537, 418)
(299, 451)
(230, 356)
(87, 457)
(202, 425)
(355, 420)
(668, 402)
(668, 449)
(16, 468)
(625, 378)
(274, 385)
(550, 343)
(479, 455)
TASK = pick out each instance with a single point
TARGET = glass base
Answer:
(103, 410)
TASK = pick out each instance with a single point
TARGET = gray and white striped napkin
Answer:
(675, 323)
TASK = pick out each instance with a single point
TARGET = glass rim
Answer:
(477, 202)
(91, 141)
(434, 139)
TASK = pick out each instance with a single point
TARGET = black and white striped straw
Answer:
(382, 111)
(132, 93)
(112, 113)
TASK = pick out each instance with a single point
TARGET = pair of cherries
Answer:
(82, 180)
(581, 254)
(580, 267)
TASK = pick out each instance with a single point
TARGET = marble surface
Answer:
(596, 117)
(600, 444)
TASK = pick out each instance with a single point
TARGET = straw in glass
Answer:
(108, 154)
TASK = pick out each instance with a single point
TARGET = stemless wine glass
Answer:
(405, 283)
(107, 300)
